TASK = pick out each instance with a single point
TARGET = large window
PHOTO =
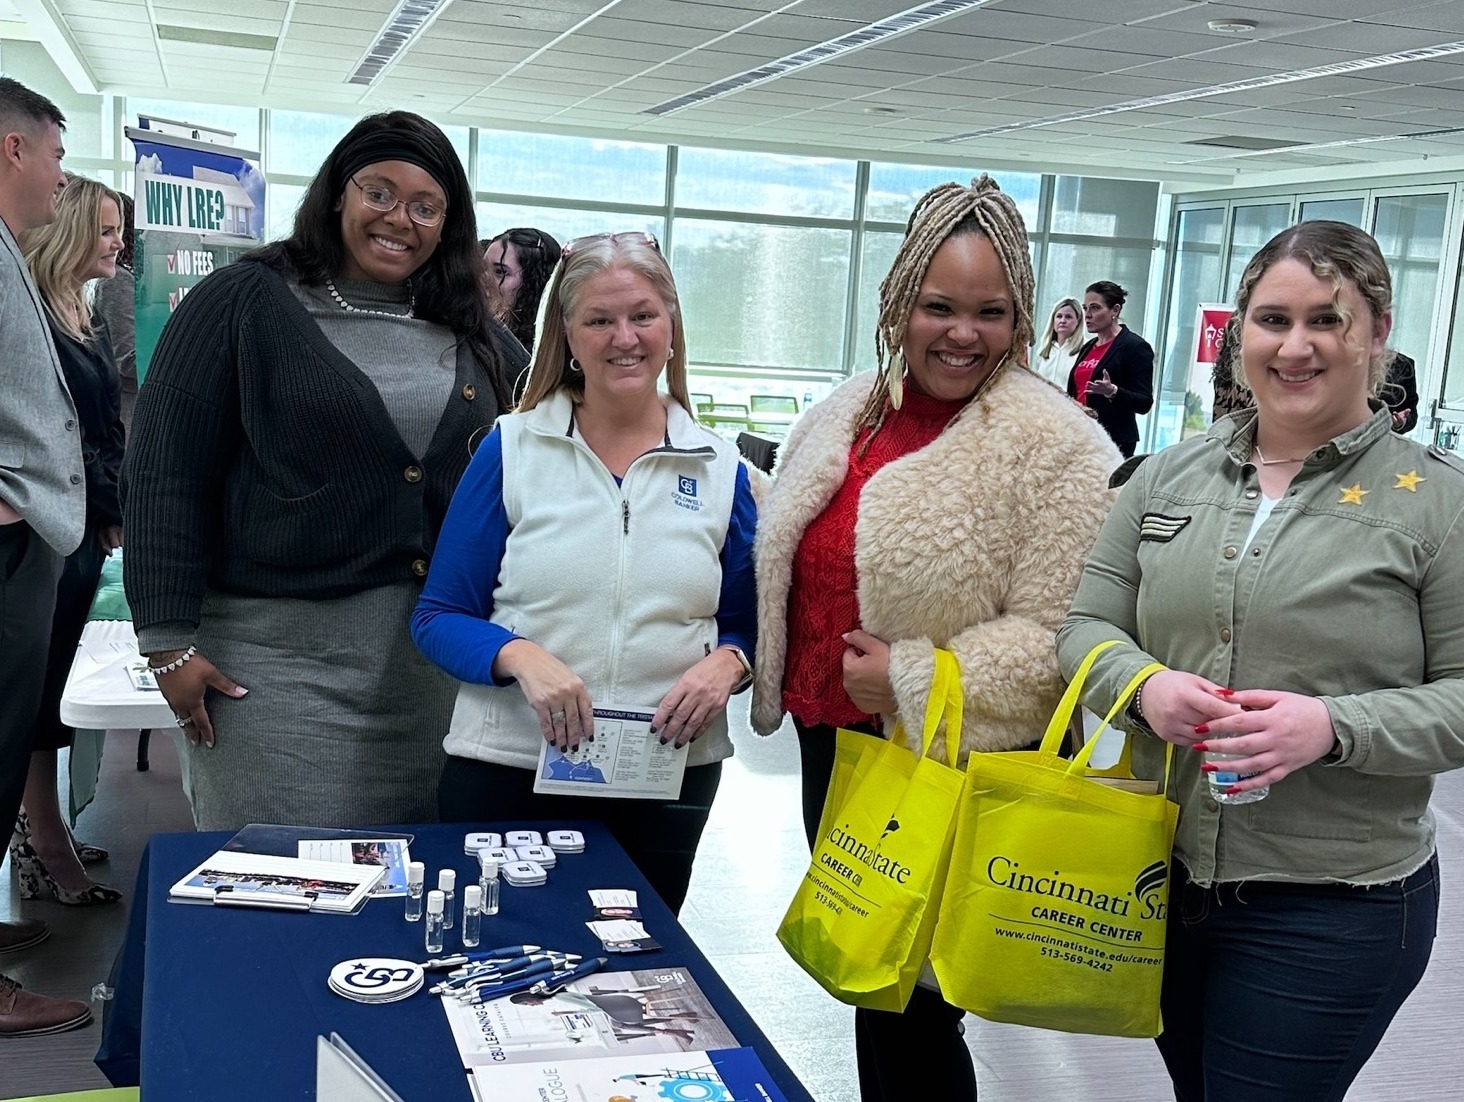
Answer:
(764, 183)
(893, 189)
(558, 167)
(1182, 404)
(760, 295)
(1251, 228)
(1410, 231)
(879, 256)
(1332, 210)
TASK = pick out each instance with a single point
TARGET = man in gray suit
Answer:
(42, 494)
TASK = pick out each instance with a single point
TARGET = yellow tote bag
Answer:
(862, 919)
(1054, 909)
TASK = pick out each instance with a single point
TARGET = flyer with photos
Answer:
(643, 1012)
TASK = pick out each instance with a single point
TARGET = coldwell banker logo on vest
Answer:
(685, 494)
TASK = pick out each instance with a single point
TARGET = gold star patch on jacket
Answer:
(1409, 481)
(1158, 528)
(1353, 494)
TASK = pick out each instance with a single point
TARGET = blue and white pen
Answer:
(465, 979)
(546, 985)
(482, 979)
(503, 969)
(503, 952)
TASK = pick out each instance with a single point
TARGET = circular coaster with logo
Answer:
(376, 979)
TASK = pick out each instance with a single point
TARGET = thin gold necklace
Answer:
(1264, 462)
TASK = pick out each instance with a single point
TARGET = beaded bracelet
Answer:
(176, 664)
(1136, 706)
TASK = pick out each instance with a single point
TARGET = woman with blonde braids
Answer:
(945, 500)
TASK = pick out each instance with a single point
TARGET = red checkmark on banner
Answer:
(172, 262)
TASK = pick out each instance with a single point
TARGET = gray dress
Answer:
(344, 720)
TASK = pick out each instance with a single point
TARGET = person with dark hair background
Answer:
(520, 262)
(307, 415)
(1400, 391)
(1114, 372)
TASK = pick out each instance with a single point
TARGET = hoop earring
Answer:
(574, 365)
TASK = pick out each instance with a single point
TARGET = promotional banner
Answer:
(1210, 319)
(200, 205)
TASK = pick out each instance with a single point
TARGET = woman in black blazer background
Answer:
(1114, 373)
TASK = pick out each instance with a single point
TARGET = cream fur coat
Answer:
(973, 544)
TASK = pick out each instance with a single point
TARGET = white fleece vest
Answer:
(620, 583)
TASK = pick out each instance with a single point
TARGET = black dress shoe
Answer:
(15, 936)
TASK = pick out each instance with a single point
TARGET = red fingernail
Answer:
(1202, 729)
(1200, 746)
(1224, 692)
(1234, 790)
(1208, 768)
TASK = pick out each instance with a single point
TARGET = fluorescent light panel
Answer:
(904, 22)
(1339, 68)
(1310, 146)
(401, 29)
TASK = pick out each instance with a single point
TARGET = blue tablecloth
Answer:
(216, 1003)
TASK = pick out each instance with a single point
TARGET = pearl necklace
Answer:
(1264, 462)
(346, 306)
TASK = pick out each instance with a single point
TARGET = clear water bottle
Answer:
(1223, 778)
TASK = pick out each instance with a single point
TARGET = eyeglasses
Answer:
(579, 242)
(382, 198)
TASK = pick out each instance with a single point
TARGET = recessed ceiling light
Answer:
(402, 28)
(881, 110)
(1232, 26)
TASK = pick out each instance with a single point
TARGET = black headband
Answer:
(397, 144)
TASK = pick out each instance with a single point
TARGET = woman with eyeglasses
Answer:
(598, 554)
(1113, 377)
(520, 262)
(307, 415)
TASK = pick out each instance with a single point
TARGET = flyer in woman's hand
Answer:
(625, 760)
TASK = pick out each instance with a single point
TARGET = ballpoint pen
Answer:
(546, 985)
(503, 952)
(489, 978)
(508, 967)
(492, 971)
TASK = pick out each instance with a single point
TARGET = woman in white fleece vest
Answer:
(946, 500)
(598, 553)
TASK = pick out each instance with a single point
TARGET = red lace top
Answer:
(823, 601)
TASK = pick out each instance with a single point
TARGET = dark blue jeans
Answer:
(1281, 992)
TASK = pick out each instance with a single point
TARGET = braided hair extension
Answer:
(945, 211)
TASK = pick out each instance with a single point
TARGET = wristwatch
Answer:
(746, 679)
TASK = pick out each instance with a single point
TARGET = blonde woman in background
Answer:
(1056, 351)
(64, 256)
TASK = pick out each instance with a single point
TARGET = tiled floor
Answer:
(750, 860)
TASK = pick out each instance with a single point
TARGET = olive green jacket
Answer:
(1352, 591)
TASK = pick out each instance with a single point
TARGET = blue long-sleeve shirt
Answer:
(451, 624)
